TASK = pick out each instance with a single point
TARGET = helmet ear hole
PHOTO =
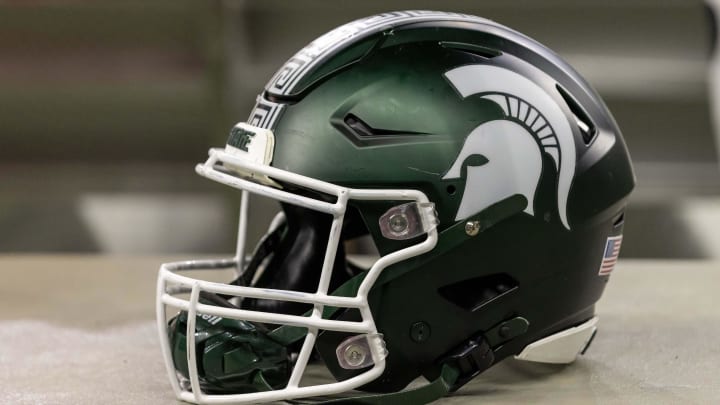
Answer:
(474, 293)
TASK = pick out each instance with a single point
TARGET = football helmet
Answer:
(488, 174)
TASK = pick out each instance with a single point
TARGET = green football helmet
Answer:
(489, 175)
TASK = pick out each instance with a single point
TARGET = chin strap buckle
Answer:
(470, 359)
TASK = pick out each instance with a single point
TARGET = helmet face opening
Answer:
(296, 261)
(489, 176)
(258, 322)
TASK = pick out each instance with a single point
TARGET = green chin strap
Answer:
(425, 394)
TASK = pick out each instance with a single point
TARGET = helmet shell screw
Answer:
(355, 355)
(420, 332)
(472, 228)
(398, 223)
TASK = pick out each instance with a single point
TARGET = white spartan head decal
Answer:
(533, 124)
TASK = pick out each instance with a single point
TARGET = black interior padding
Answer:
(297, 261)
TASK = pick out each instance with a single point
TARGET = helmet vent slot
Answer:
(487, 53)
(360, 127)
(473, 294)
(363, 129)
(620, 220)
(587, 128)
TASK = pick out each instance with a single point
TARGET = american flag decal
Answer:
(612, 250)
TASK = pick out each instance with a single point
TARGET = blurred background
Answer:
(106, 106)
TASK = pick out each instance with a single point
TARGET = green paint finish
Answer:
(398, 90)
(404, 98)
(381, 114)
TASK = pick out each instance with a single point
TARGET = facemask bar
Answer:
(242, 232)
(169, 283)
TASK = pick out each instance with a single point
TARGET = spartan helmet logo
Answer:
(512, 146)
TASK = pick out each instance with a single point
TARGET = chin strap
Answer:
(430, 392)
